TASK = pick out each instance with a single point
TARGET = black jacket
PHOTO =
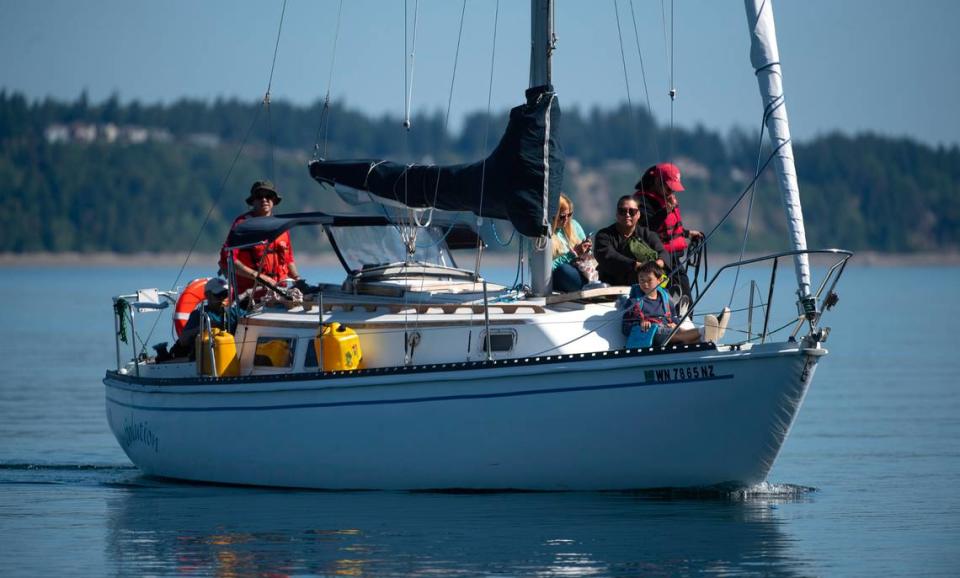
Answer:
(615, 263)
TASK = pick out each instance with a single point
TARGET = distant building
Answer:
(134, 134)
(109, 132)
(82, 132)
(57, 133)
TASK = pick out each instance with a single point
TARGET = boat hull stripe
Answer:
(427, 399)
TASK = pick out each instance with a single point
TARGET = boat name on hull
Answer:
(138, 432)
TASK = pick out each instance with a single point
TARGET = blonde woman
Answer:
(569, 244)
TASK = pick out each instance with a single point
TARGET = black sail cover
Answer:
(520, 181)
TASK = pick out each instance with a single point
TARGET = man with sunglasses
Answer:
(623, 247)
(272, 263)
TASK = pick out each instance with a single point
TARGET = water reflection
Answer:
(221, 531)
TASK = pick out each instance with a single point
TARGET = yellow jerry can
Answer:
(224, 351)
(339, 347)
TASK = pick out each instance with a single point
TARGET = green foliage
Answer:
(862, 192)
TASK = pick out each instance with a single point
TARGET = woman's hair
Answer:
(565, 205)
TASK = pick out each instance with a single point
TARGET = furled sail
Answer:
(765, 57)
(520, 181)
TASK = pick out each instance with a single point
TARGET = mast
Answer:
(541, 49)
(765, 58)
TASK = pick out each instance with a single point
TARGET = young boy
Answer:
(652, 307)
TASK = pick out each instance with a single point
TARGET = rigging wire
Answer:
(409, 44)
(626, 81)
(673, 83)
(668, 60)
(453, 80)
(486, 131)
(408, 83)
(774, 104)
(749, 187)
(216, 199)
(643, 75)
(264, 103)
(325, 111)
(436, 190)
(483, 167)
(266, 96)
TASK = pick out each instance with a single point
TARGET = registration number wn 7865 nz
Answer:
(704, 371)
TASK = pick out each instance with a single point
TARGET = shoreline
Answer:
(107, 259)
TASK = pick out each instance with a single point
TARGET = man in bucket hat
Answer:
(271, 263)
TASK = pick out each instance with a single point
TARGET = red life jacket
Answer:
(667, 224)
(273, 259)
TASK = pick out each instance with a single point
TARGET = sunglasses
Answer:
(624, 211)
(562, 216)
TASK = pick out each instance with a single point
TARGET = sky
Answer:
(884, 66)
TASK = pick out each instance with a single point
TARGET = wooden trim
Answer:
(614, 291)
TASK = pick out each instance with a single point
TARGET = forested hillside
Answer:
(81, 176)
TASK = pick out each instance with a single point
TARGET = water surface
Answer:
(877, 438)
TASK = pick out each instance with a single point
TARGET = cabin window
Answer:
(310, 358)
(500, 340)
(274, 352)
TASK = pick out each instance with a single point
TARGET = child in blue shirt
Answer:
(652, 310)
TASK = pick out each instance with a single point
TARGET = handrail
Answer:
(842, 264)
(132, 306)
(844, 255)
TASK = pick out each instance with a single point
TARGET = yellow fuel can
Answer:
(224, 350)
(339, 347)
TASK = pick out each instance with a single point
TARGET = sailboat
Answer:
(464, 383)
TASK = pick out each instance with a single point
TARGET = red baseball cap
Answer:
(669, 173)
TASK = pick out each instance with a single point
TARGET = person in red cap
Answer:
(272, 263)
(656, 194)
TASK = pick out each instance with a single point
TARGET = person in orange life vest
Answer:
(272, 263)
(656, 196)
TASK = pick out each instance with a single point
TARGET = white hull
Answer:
(581, 422)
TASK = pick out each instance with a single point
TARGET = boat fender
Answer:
(191, 296)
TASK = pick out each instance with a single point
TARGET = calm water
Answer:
(867, 483)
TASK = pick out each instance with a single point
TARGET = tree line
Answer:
(64, 194)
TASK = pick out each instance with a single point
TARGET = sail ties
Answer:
(373, 165)
(757, 71)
